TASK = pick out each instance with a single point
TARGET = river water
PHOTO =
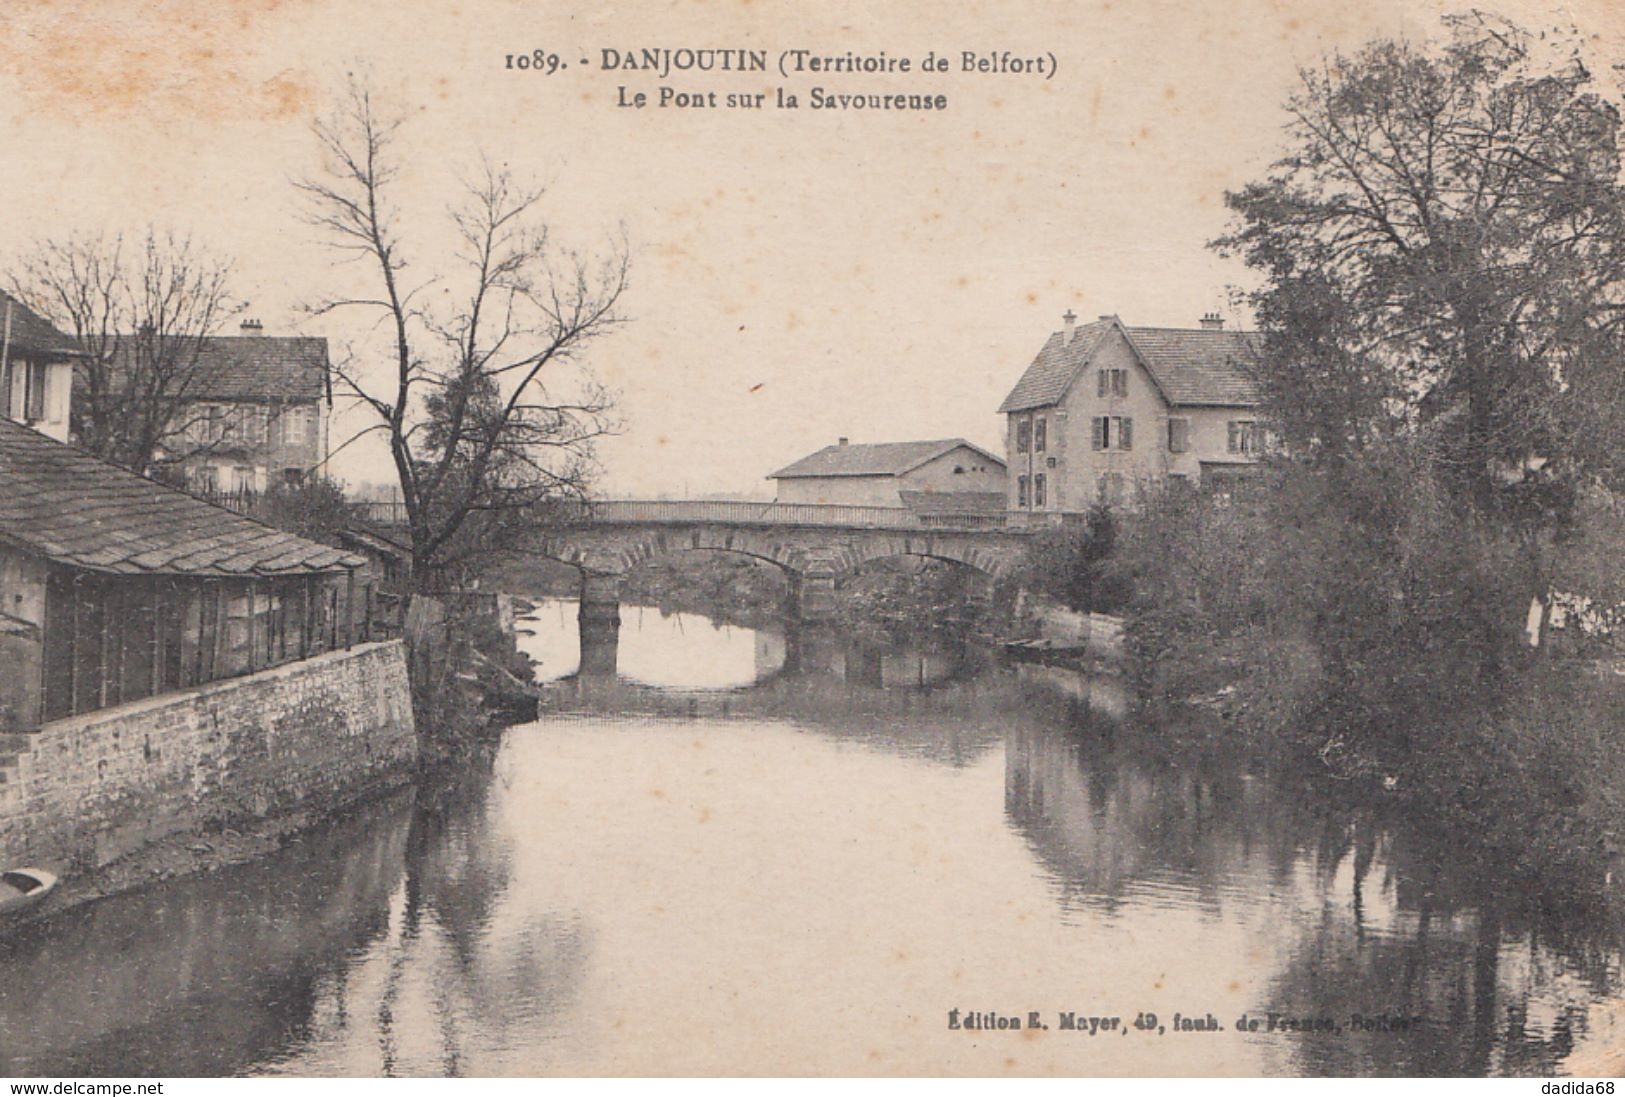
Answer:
(761, 854)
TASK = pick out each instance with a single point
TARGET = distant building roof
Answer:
(61, 503)
(1205, 367)
(875, 459)
(32, 333)
(253, 368)
(954, 502)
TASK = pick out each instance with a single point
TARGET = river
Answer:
(756, 853)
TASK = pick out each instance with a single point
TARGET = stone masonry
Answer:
(305, 736)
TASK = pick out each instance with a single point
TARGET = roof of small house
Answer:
(61, 503)
(31, 333)
(1203, 367)
(875, 459)
(252, 368)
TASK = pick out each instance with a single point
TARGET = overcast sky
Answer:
(797, 275)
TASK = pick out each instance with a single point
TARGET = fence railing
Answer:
(738, 513)
(745, 513)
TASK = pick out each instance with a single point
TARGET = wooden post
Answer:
(218, 648)
(253, 618)
(158, 607)
(103, 645)
(73, 644)
(349, 609)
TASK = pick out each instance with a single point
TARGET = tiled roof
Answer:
(954, 502)
(1191, 367)
(1201, 367)
(253, 368)
(1051, 373)
(877, 459)
(32, 333)
(67, 506)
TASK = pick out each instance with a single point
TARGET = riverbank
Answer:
(206, 850)
(215, 774)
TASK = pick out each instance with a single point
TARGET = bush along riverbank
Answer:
(469, 678)
(1370, 633)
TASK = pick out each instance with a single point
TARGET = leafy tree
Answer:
(314, 508)
(1444, 253)
(142, 314)
(1077, 567)
(488, 408)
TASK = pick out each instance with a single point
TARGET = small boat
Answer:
(21, 888)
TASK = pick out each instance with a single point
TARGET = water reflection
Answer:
(206, 975)
(663, 650)
(804, 875)
(1364, 916)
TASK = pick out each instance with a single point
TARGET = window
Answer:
(34, 393)
(1111, 487)
(1111, 382)
(1023, 435)
(1038, 490)
(1245, 437)
(1040, 430)
(1112, 432)
(1021, 491)
(1179, 435)
(297, 426)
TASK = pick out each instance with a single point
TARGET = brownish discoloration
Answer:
(164, 59)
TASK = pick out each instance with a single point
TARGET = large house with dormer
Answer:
(1106, 409)
(36, 370)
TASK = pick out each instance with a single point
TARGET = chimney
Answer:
(1070, 319)
(841, 441)
(252, 327)
(1212, 322)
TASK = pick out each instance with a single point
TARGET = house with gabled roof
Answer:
(931, 476)
(1106, 408)
(254, 409)
(114, 587)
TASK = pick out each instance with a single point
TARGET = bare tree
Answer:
(142, 314)
(488, 406)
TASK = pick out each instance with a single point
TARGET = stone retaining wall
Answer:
(306, 736)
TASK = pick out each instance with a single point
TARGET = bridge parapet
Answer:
(806, 515)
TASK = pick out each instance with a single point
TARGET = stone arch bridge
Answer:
(814, 544)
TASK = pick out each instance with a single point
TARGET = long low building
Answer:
(114, 587)
(886, 474)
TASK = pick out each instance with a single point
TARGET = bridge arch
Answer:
(623, 551)
(989, 560)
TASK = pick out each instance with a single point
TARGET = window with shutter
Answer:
(1125, 434)
(1021, 491)
(35, 408)
(1038, 490)
(1098, 437)
(1179, 435)
(1040, 431)
(1023, 435)
(1119, 382)
(1100, 383)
